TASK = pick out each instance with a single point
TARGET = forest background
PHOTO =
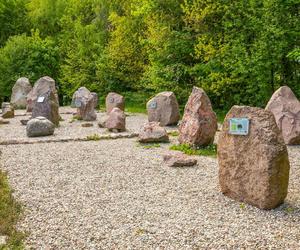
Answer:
(238, 51)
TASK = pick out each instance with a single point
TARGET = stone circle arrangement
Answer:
(252, 153)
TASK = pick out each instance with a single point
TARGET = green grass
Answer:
(210, 150)
(93, 137)
(173, 133)
(221, 115)
(10, 212)
(149, 145)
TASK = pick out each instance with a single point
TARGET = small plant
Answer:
(242, 206)
(289, 210)
(75, 118)
(173, 133)
(93, 137)
(149, 145)
(210, 150)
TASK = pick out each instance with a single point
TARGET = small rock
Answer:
(39, 126)
(24, 121)
(3, 121)
(7, 110)
(87, 125)
(153, 132)
(102, 121)
(114, 100)
(116, 120)
(3, 240)
(179, 160)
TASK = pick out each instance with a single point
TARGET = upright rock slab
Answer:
(41, 87)
(253, 168)
(114, 100)
(44, 100)
(163, 108)
(84, 101)
(19, 93)
(7, 110)
(199, 123)
(286, 108)
(116, 120)
(96, 99)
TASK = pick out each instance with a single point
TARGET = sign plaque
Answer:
(153, 105)
(41, 99)
(239, 126)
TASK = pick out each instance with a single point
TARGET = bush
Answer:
(28, 56)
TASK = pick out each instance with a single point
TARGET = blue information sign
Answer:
(239, 126)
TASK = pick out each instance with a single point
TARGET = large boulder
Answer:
(163, 108)
(19, 93)
(41, 87)
(153, 132)
(254, 167)
(7, 110)
(114, 100)
(286, 109)
(116, 120)
(39, 126)
(84, 101)
(46, 105)
(199, 123)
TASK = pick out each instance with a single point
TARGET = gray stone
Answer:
(253, 168)
(96, 99)
(39, 126)
(7, 110)
(19, 93)
(84, 101)
(153, 132)
(102, 121)
(114, 100)
(163, 108)
(40, 88)
(46, 106)
(24, 121)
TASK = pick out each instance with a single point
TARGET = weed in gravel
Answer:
(93, 137)
(210, 150)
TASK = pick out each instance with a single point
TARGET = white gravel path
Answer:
(115, 194)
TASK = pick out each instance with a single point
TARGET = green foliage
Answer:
(149, 145)
(210, 150)
(173, 133)
(13, 19)
(10, 212)
(240, 52)
(28, 56)
(94, 137)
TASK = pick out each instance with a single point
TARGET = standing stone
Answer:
(153, 132)
(254, 168)
(7, 110)
(163, 108)
(19, 93)
(39, 126)
(46, 106)
(199, 123)
(96, 99)
(40, 88)
(116, 120)
(286, 108)
(84, 101)
(114, 100)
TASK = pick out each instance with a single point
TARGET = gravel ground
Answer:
(16, 131)
(115, 194)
